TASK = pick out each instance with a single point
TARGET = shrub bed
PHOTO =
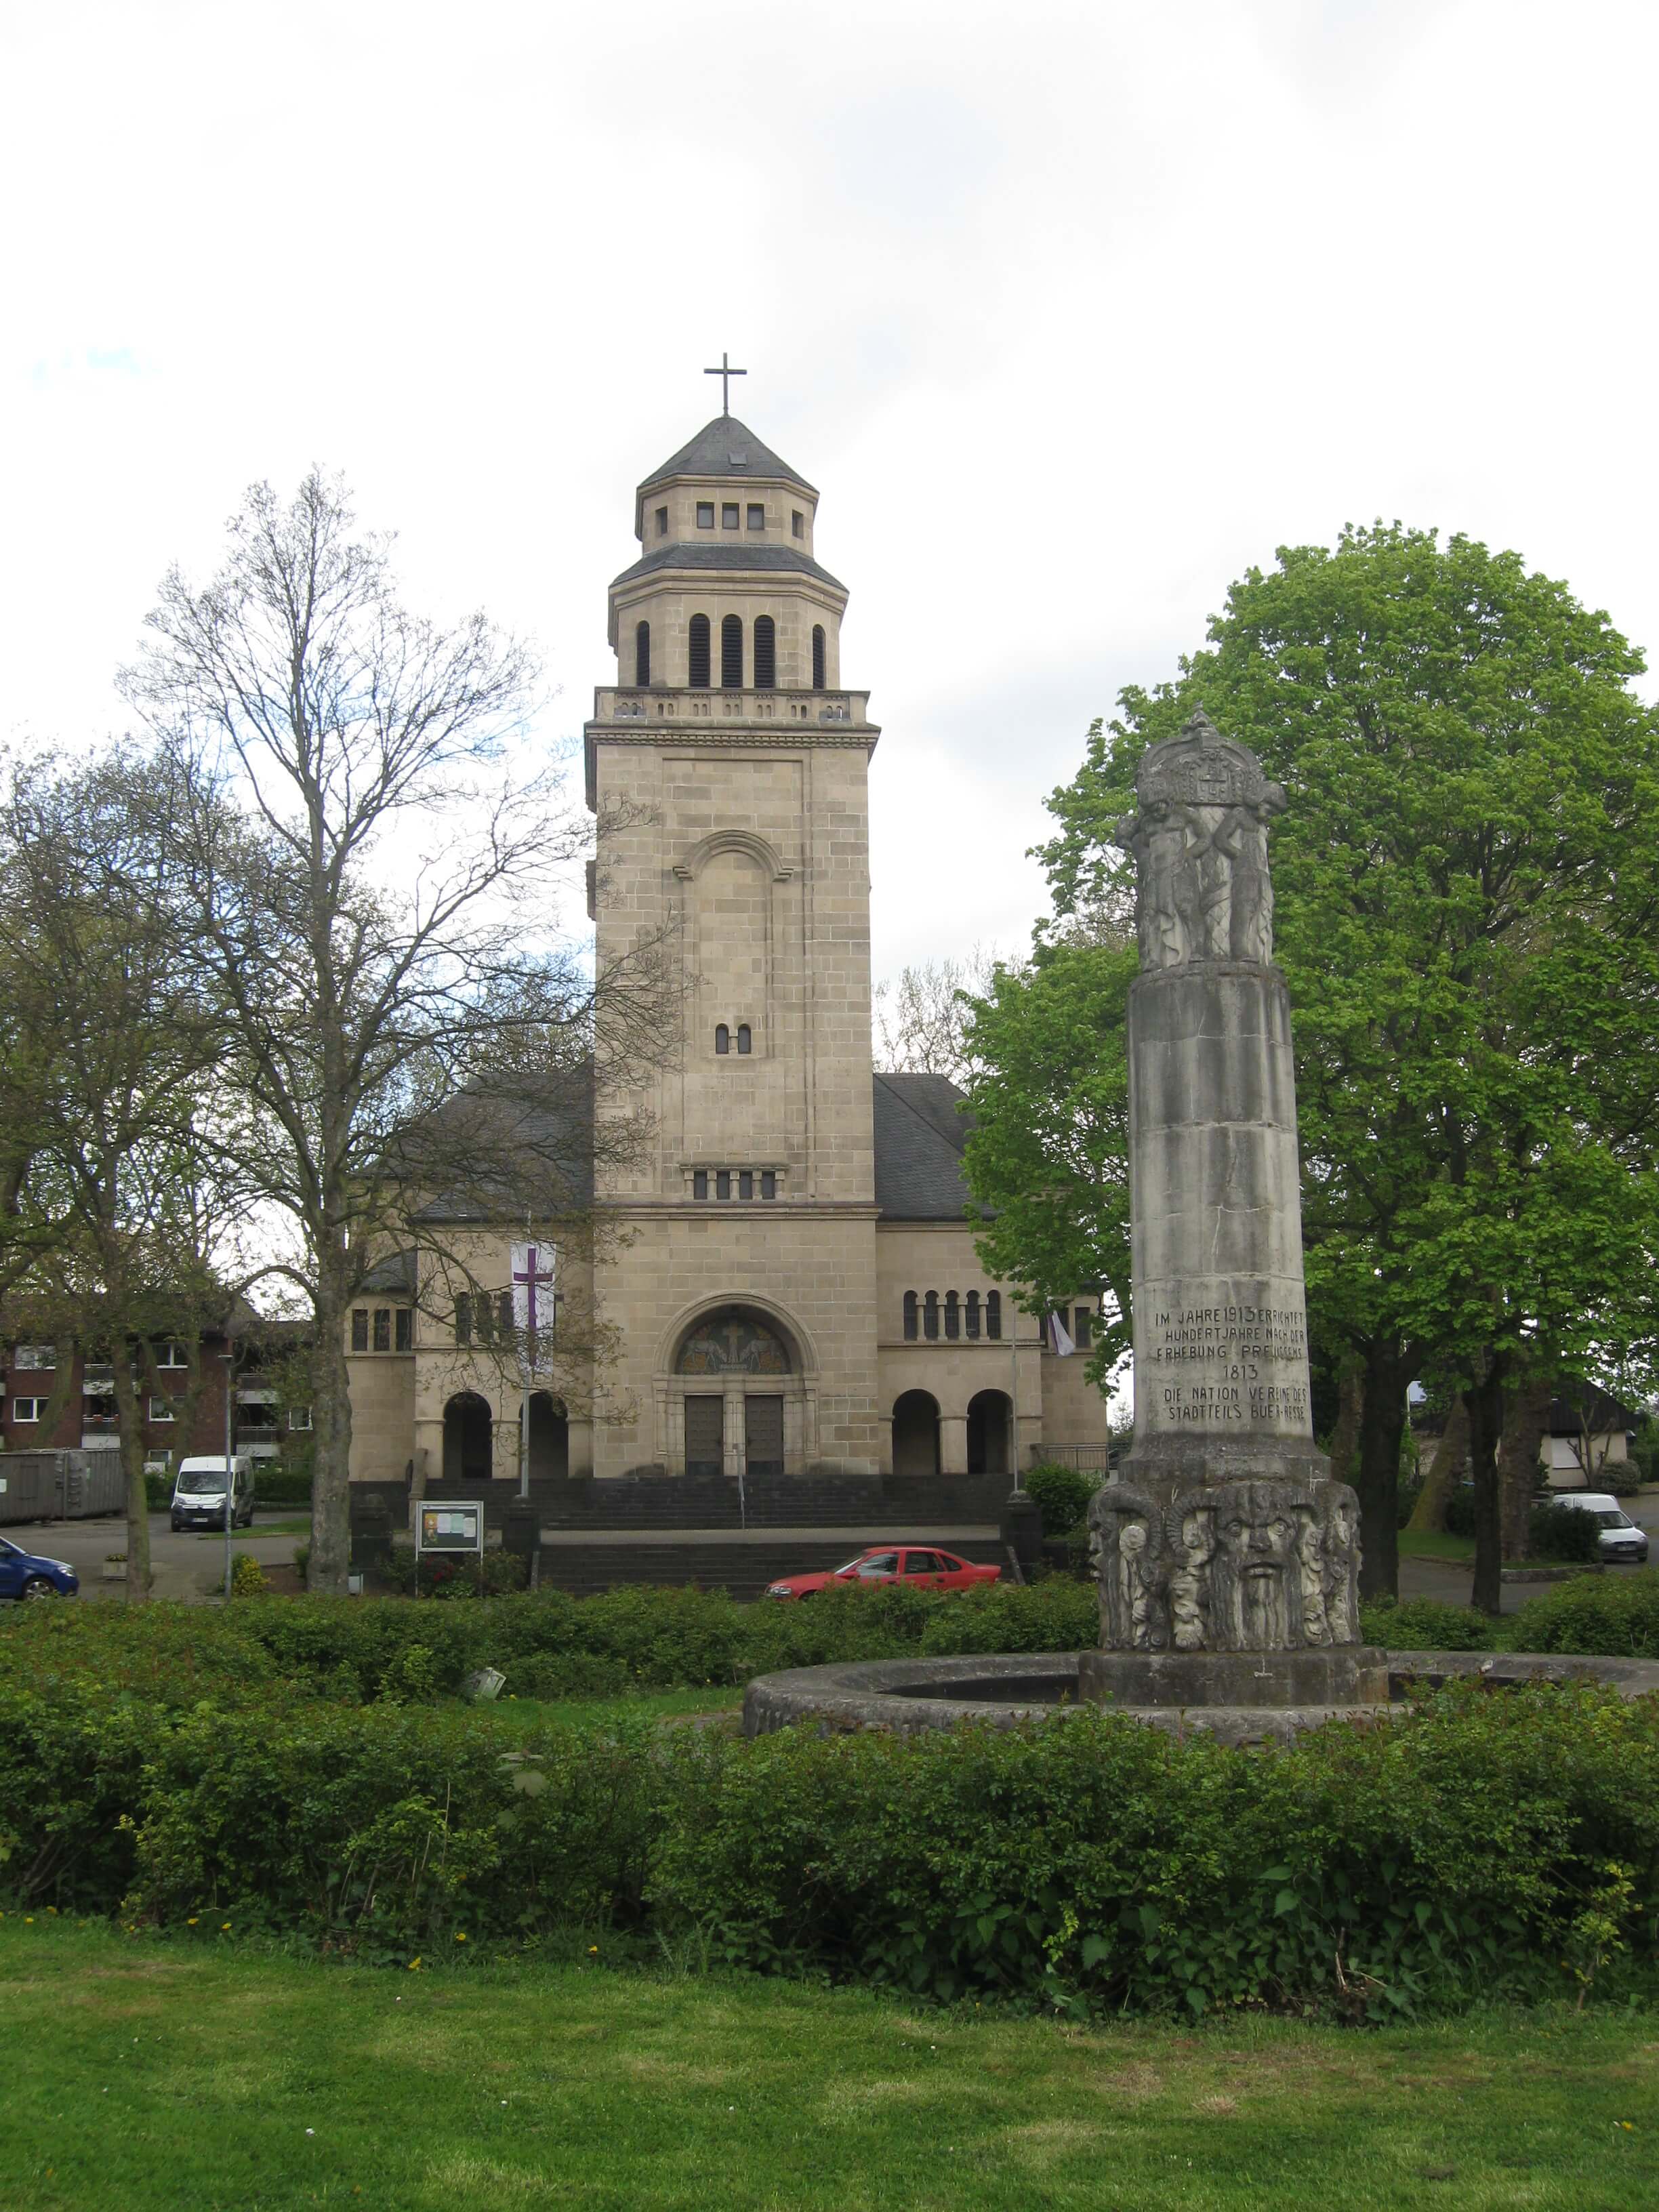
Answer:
(1476, 1850)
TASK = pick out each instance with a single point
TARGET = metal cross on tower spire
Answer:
(724, 373)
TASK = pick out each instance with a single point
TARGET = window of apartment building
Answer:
(28, 1409)
(405, 1325)
(28, 1356)
(160, 1409)
(360, 1328)
(662, 522)
(705, 515)
(171, 1355)
(757, 518)
(383, 1328)
(298, 1417)
(729, 514)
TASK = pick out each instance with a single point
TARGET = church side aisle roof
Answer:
(683, 556)
(726, 448)
(919, 1140)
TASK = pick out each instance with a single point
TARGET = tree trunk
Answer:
(130, 1428)
(1524, 1418)
(1485, 1401)
(1445, 1471)
(331, 1423)
(1350, 1403)
(1382, 1425)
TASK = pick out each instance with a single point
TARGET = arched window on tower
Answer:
(910, 1318)
(732, 653)
(993, 1316)
(744, 1039)
(818, 657)
(930, 1316)
(973, 1313)
(722, 1037)
(766, 652)
(697, 675)
(642, 653)
(952, 1315)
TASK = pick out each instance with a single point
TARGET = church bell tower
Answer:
(728, 766)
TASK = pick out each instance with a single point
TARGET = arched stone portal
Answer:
(916, 1433)
(736, 1401)
(467, 1439)
(988, 1432)
(550, 1438)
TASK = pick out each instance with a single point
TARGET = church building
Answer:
(798, 1290)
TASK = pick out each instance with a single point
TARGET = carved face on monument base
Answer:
(1255, 1576)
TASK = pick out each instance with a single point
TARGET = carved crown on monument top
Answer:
(1200, 768)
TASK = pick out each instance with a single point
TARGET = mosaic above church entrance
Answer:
(732, 1344)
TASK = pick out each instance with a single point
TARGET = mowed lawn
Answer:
(144, 2074)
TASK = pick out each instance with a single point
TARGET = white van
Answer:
(1622, 1539)
(198, 1493)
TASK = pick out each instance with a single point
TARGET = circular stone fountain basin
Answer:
(907, 1695)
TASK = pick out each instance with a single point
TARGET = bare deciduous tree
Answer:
(374, 878)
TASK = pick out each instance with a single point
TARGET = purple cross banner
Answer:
(532, 1293)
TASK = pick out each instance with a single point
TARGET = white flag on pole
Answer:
(1059, 1342)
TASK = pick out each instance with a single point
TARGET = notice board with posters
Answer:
(456, 1525)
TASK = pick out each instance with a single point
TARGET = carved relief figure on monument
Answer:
(1254, 1578)
(1126, 1527)
(1199, 843)
(1192, 1544)
(1310, 1561)
(1342, 1547)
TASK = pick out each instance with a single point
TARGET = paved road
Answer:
(1451, 1584)
(191, 1564)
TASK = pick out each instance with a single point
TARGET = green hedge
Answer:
(1088, 1864)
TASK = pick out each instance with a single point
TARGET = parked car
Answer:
(198, 1494)
(925, 1566)
(25, 1574)
(1622, 1541)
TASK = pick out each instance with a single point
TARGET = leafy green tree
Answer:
(1468, 883)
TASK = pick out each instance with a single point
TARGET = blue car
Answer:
(23, 1575)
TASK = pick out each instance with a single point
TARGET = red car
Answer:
(928, 1567)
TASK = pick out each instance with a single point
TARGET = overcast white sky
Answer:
(1072, 313)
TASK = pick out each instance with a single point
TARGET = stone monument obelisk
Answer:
(1228, 1559)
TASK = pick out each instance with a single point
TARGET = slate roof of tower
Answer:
(683, 556)
(726, 448)
(919, 1138)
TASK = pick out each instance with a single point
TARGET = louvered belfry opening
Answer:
(766, 652)
(697, 675)
(642, 653)
(731, 652)
(818, 657)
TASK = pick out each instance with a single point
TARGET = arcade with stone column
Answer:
(796, 1292)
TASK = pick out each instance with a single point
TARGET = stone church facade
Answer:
(798, 1290)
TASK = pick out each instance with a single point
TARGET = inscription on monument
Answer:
(1219, 1363)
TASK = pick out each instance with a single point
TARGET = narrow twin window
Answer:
(769, 1183)
(722, 1182)
(743, 1036)
(746, 1183)
(734, 1182)
(722, 1038)
(700, 1182)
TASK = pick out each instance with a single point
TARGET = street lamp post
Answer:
(229, 1359)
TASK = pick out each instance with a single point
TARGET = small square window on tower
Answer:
(729, 514)
(662, 522)
(798, 524)
(705, 515)
(757, 518)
